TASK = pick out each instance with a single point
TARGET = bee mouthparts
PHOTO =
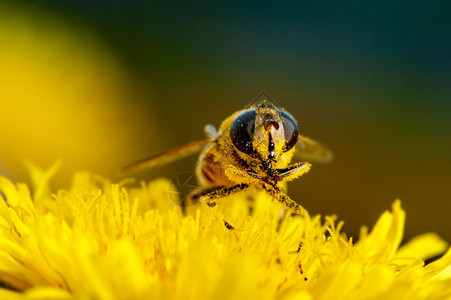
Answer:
(271, 122)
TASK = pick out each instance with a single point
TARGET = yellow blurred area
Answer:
(63, 96)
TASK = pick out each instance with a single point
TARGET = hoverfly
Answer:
(252, 148)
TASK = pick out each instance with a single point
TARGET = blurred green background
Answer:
(102, 84)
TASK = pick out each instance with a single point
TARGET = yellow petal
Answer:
(385, 237)
(423, 246)
(47, 292)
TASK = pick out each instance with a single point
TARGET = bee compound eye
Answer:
(290, 128)
(242, 131)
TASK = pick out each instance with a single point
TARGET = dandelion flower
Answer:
(99, 240)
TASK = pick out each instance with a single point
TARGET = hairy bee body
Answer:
(221, 155)
(254, 148)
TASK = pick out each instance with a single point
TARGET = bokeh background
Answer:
(100, 84)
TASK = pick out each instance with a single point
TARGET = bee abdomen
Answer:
(211, 172)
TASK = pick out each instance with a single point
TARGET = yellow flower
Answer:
(99, 240)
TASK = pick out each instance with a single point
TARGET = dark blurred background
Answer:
(125, 80)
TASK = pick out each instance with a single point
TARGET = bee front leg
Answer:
(275, 192)
(209, 195)
(294, 171)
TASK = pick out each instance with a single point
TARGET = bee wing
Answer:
(312, 151)
(166, 157)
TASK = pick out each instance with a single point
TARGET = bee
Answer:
(254, 148)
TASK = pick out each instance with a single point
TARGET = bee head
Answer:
(264, 131)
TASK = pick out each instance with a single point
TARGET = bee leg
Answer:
(228, 226)
(294, 171)
(194, 197)
(209, 195)
(275, 192)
